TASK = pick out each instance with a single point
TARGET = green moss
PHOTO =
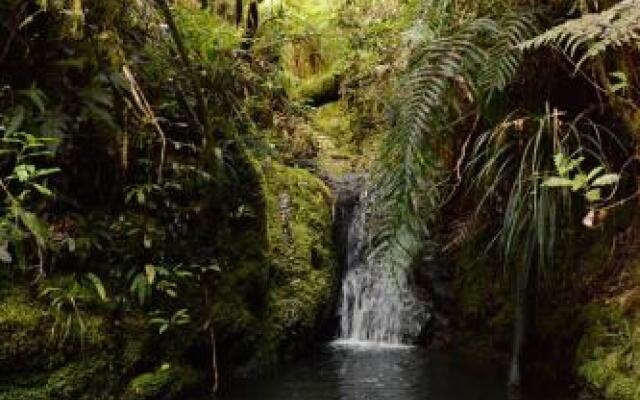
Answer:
(334, 119)
(279, 282)
(86, 379)
(24, 341)
(24, 394)
(302, 260)
(622, 388)
(30, 337)
(167, 380)
(36, 366)
(89, 379)
(471, 284)
(596, 373)
(318, 88)
(606, 353)
(334, 129)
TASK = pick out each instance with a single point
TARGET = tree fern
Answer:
(594, 33)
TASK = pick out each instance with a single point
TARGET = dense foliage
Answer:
(160, 164)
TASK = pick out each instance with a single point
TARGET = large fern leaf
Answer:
(449, 73)
(594, 33)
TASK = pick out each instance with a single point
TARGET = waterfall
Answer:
(377, 303)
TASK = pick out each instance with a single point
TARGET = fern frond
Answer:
(445, 76)
(463, 230)
(502, 65)
(594, 33)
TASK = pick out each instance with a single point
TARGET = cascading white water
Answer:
(377, 301)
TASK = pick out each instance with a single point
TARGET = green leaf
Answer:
(98, 286)
(35, 226)
(139, 288)
(620, 75)
(37, 97)
(606, 180)
(46, 171)
(147, 242)
(24, 171)
(593, 195)
(595, 172)
(559, 160)
(618, 87)
(71, 245)
(45, 191)
(565, 165)
(16, 120)
(5, 256)
(622, 84)
(71, 62)
(579, 182)
(557, 181)
(150, 272)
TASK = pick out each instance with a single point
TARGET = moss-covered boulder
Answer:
(30, 337)
(277, 285)
(303, 272)
(165, 382)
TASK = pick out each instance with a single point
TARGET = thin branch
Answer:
(145, 108)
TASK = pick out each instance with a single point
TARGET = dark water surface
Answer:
(357, 372)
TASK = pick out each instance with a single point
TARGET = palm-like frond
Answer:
(502, 65)
(445, 76)
(594, 33)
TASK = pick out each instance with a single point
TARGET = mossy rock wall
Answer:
(586, 327)
(269, 305)
(483, 315)
(608, 356)
(303, 274)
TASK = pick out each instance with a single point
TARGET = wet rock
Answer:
(347, 191)
(435, 278)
